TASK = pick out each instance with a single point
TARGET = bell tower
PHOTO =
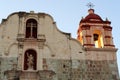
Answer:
(94, 32)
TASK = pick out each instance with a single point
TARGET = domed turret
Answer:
(93, 31)
(92, 17)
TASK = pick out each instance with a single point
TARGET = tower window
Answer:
(31, 28)
(97, 37)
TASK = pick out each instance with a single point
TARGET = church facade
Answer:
(33, 48)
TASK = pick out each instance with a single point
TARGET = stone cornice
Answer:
(102, 49)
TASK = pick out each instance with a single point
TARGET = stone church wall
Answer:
(7, 63)
(57, 56)
(82, 69)
(69, 69)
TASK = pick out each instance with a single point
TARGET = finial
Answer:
(106, 19)
(82, 17)
(90, 5)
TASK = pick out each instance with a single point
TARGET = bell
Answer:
(96, 37)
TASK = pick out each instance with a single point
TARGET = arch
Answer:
(98, 39)
(30, 60)
(31, 28)
(13, 49)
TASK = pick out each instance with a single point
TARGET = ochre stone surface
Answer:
(55, 54)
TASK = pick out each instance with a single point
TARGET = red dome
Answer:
(92, 17)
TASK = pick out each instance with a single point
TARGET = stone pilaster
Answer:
(41, 43)
(20, 52)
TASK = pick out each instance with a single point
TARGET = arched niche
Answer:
(30, 60)
(31, 28)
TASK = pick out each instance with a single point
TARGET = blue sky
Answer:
(68, 13)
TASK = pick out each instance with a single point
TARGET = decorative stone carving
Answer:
(20, 40)
(12, 74)
(41, 40)
(46, 75)
(21, 14)
(20, 37)
(30, 61)
(29, 75)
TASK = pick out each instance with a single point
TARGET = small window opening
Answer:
(31, 28)
(98, 41)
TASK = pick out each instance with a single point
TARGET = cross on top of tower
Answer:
(90, 5)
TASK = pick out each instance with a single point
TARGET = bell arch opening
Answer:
(98, 39)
